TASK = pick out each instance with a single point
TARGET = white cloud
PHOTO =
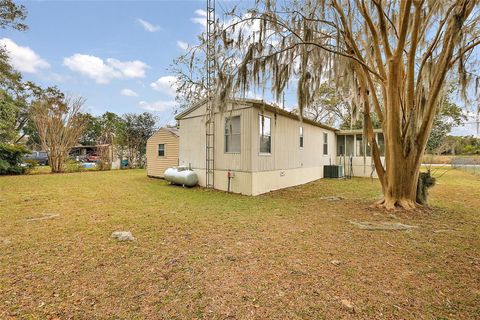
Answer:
(92, 67)
(165, 84)
(23, 59)
(182, 45)
(163, 105)
(470, 126)
(104, 71)
(129, 69)
(128, 93)
(201, 13)
(200, 17)
(148, 26)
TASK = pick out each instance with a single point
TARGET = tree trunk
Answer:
(403, 151)
(400, 181)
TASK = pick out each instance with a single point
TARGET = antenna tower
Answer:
(210, 116)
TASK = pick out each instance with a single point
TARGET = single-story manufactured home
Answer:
(258, 147)
(162, 151)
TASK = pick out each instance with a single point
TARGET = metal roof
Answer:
(260, 104)
(356, 131)
(173, 130)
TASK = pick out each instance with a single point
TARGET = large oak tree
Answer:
(391, 58)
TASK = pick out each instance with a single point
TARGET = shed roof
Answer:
(172, 130)
(260, 104)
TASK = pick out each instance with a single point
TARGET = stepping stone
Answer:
(123, 236)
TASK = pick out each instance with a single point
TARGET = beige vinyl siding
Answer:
(234, 161)
(286, 151)
(192, 142)
(287, 165)
(157, 165)
(192, 139)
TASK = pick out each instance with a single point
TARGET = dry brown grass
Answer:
(445, 159)
(211, 255)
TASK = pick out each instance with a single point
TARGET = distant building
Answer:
(162, 151)
(95, 153)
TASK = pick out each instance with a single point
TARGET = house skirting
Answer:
(256, 183)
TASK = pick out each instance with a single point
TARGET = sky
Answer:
(115, 54)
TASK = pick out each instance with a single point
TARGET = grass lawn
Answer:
(203, 254)
(40, 170)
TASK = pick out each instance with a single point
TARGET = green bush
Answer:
(73, 166)
(11, 159)
(470, 149)
(31, 164)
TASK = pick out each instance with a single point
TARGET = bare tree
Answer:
(188, 70)
(391, 57)
(329, 107)
(59, 124)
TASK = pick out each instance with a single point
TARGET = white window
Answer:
(232, 135)
(325, 143)
(161, 150)
(301, 137)
(265, 134)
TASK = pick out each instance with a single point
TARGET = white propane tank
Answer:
(181, 176)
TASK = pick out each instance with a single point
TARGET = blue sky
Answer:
(113, 53)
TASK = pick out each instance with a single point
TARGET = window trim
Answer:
(301, 139)
(164, 150)
(325, 143)
(225, 136)
(260, 153)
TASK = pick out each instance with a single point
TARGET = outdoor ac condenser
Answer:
(333, 171)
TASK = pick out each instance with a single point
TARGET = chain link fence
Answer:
(470, 164)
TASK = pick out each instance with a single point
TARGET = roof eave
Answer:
(259, 104)
(195, 106)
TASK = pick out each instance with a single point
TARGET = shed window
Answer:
(161, 150)
(301, 137)
(232, 134)
(325, 143)
(265, 135)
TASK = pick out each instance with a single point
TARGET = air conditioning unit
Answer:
(334, 172)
